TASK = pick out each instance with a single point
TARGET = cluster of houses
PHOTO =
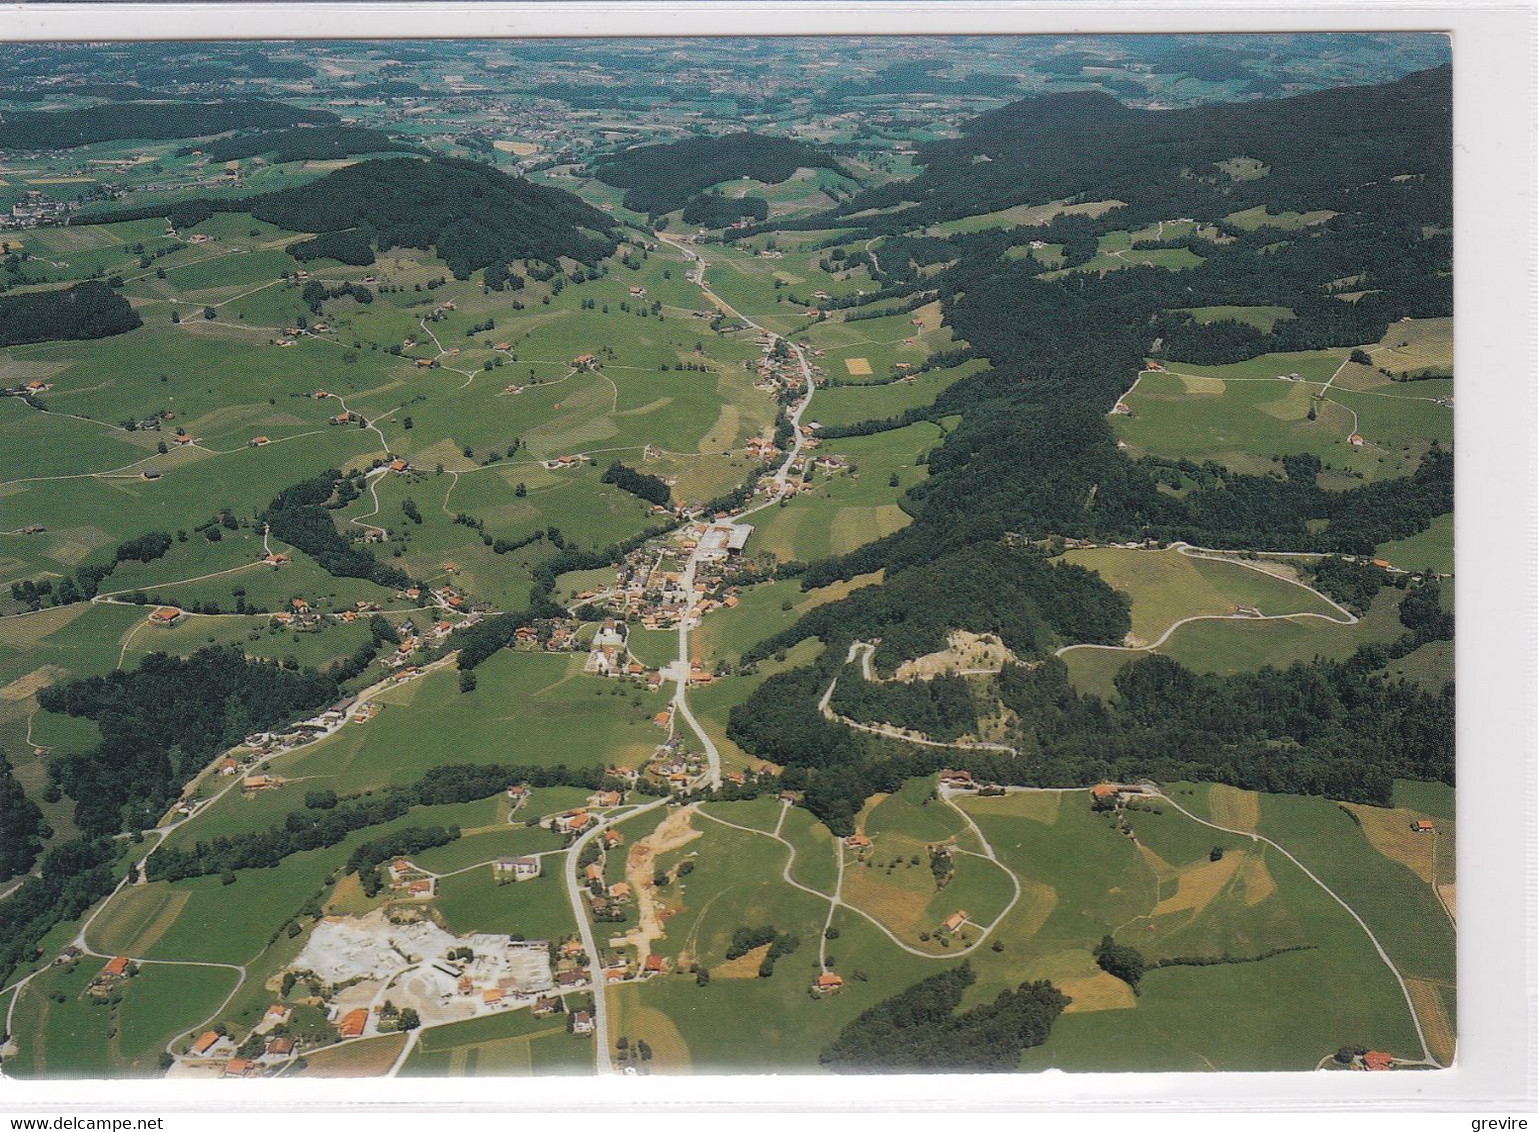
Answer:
(673, 766)
(409, 882)
(779, 371)
(608, 656)
(649, 585)
(554, 634)
(215, 1049)
(37, 209)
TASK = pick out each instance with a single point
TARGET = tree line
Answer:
(660, 178)
(113, 121)
(330, 821)
(647, 487)
(919, 1029)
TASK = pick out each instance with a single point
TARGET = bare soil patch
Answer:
(674, 832)
(964, 652)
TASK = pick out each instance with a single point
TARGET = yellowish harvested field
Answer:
(28, 685)
(1033, 805)
(1164, 872)
(670, 1053)
(137, 917)
(900, 909)
(1389, 832)
(1449, 895)
(1257, 881)
(35, 626)
(858, 367)
(371, 1057)
(1441, 1035)
(1422, 344)
(743, 967)
(1234, 808)
(1199, 885)
(1195, 384)
(1099, 991)
(856, 526)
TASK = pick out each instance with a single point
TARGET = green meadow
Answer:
(846, 509)
(1166, 586)
(1240, 415)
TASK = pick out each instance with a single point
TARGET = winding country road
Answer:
(781, 475)
(837, 900)
(1378, 947)
(605, 1063)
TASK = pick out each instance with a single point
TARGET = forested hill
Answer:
(113, 121)
(1034, 456)
(1316, 148)
(473, 215)
(660, 178)
(306, 143)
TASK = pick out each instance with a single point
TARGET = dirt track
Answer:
(674, 832)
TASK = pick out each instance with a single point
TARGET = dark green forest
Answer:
(162, 721)
(1034, 456)
(87, 310)
(647, 487)
(660, 178)
(317, 143)
(112, 121)
(919, 1031)
(471, 214)
(712, 210)
(21, 825)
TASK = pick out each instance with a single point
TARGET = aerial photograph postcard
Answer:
(799, 555)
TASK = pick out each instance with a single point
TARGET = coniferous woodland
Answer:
(310, 143)
(21, 825)
(1034, 457)
(712, 210)
(87, 310)
(470, 214)
(163, 721)
(647, 487)
(919, 1031)
(296, 516)
(660, 178)
(109, 121)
